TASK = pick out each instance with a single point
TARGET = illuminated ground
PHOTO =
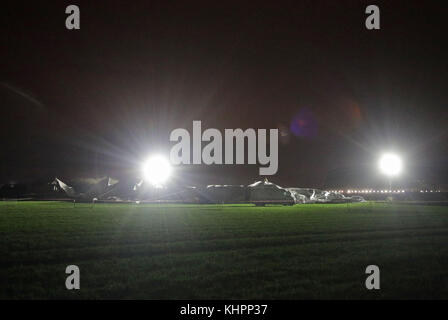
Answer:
(214, 251)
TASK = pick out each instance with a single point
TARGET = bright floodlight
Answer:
(390, 164)
(156, 170)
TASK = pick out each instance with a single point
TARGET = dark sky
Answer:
(96, 101)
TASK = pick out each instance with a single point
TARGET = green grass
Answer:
(223, 251)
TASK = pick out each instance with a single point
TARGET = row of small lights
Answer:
(378, 191)
(375, 191)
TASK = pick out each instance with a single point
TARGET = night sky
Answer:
(96, 101)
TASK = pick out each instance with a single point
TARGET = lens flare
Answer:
(304, 124)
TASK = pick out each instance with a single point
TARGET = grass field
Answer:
(223, 251)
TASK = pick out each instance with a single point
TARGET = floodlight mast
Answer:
(156, 170)
(390, 165)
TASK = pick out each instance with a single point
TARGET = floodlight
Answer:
(156, 170)
(390, 164)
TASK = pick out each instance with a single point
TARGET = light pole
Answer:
(390, 165)
(156, 170)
